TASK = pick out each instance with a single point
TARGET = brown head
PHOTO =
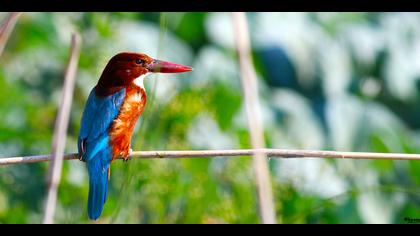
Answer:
(124, 68)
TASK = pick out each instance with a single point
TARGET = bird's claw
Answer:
(126, 159)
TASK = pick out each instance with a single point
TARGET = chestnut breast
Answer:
(122, 127)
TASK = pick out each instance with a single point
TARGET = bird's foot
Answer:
(128, 156)
(81, 158)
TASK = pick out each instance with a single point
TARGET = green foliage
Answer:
(343, 81)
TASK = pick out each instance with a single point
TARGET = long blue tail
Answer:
(98, 184)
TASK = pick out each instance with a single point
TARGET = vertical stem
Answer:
(250, 90)
(6, 28)
(60, 131)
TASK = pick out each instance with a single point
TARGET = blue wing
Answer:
(97, 118)
(94, 148)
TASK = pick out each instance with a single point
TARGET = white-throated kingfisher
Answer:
(111, 112)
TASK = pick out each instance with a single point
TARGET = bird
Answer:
(110, 115)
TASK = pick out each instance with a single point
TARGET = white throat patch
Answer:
(139, 80)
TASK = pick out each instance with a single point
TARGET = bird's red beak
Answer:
(158, 66)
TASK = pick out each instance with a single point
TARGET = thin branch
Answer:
(250, 90)
(60, 131)
(274, 153)
(6, 28)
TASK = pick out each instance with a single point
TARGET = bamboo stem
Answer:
(252, 105)
(6, 28)
(60, 131)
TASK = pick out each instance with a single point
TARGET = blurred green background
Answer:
(338, 81)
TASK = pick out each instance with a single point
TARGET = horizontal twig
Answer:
(276, 153)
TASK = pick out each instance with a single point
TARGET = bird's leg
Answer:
(127, 155)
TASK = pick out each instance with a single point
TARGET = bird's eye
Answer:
(139, 61)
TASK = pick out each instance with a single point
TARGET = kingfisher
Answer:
(110, 115)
